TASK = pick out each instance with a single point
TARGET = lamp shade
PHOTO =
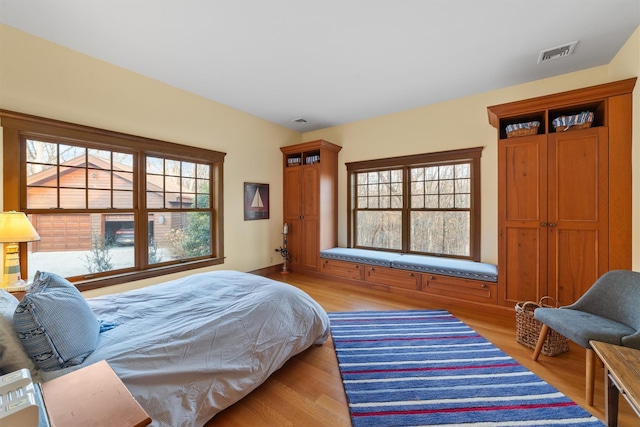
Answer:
(15, 227)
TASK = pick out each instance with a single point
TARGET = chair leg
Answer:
(590, 376)
(544, 331)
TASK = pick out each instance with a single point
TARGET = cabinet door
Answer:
(310, 249)
(577, 211)
(310, 192)
(292, 193)
(522, 234)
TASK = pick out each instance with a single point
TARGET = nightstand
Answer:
(92, 396)
(17, 291)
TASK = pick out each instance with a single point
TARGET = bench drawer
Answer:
(470, 290)
(348, 270)
(392, 277)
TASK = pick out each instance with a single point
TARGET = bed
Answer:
(188, 348)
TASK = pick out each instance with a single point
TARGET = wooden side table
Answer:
(621, 376)
(92, 396)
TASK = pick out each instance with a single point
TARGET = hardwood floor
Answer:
(307, 390)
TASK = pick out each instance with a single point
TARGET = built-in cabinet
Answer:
(564, 214)
(310, 201)
(432, 287)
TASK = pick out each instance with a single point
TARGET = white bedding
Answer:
(188, 348)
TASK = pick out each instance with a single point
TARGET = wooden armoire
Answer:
(310, 201)
(564, 214)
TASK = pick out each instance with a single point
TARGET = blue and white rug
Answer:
(427, 368)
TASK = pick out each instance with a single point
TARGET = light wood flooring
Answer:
(307, 390)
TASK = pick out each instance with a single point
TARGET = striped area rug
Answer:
(427, 368)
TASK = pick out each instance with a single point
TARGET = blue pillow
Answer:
(12, 355)
(55, 324)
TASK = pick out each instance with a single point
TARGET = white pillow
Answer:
(12, 354)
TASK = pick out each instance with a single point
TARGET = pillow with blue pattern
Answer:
(55, 324)
(12, 355)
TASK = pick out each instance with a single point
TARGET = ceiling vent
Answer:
(557, 52)
(300, 120)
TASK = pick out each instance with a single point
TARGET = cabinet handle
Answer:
(356, 266)
(300, 217)
(543, 224)
(484, 286)
(551, 224)
(372, 269)
(410, 274)
(432, 278)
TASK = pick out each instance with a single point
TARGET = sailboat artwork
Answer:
(256, 201)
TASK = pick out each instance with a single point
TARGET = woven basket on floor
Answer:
(528, 330)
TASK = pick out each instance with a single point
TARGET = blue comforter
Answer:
(188, 348)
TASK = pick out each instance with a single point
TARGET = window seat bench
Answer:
(413, 274)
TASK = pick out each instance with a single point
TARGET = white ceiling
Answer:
(332, 61)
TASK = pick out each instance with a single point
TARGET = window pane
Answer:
(101, 159)
(42, 198)
(123, 199)
(446, 201)
(123, 181)
(188, 169)
(203, 201)
(71, 154)
(379, 229)
(99, 178)
(72, 199)
(41, 175)
(179, 236)
(99, 199)
(417, 202)
(171, 167)
(203, 171)
(463, 170)
(172, 200)
(73, 177)
(439, 232)
(203, 186)
(463, 201)
(42, 152)
(88, 243)
(155, 165)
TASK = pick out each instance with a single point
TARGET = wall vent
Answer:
(300, 120)
(557, 52)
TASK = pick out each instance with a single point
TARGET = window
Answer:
(111, 207)
(423, 204)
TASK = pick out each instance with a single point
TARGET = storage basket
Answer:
(528, 329)
(522, 129)
(577, 121)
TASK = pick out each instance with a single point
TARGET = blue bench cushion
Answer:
(363, 256)
(447, 267)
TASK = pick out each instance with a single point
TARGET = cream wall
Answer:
(627, 64)
(462, 123)
(40, 78)
(44, 79)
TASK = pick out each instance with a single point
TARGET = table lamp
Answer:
(15, 228)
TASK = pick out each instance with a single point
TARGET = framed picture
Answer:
(256, 201)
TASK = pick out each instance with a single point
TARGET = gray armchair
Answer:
(609, 312)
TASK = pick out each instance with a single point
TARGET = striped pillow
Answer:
(55, 324)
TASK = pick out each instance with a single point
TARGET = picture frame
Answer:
(256, 201)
